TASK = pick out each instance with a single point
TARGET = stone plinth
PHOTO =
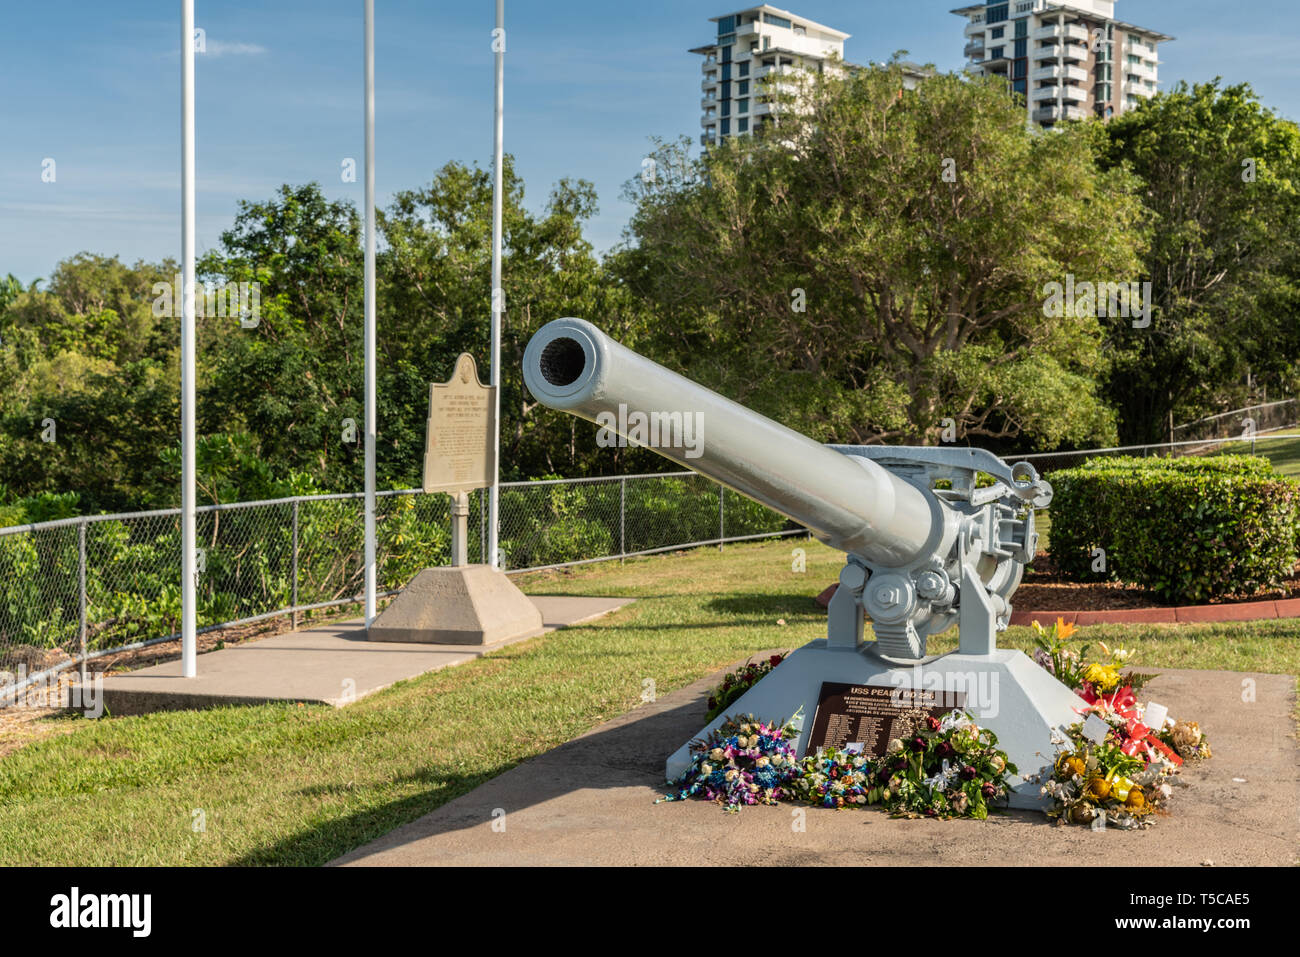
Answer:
(458, 605)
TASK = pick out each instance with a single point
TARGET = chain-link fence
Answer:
(79, 588)
(1278, 446)
(1241, 423)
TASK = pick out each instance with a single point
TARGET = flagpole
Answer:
(189, 555)
(498, 294)
(371, 418)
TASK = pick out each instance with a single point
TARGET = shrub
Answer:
(1232, 464)
(1184, 529)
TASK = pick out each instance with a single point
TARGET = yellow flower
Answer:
(1101, 677)
(1064, 631)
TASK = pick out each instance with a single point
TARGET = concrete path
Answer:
(591, 801)
(333, 664)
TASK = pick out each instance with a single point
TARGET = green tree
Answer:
(435, 302)
(876, 263)
(1221, 177)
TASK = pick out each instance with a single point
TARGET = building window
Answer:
(1022, 48)
(1022, 28)
(726, 25)
(1020, 68)
(726, 71)
(726, 127)
(800, 32)
(726, 54)
(997, 33)
(726, 90)
(776, 21)
(997, 14)
(767, 43)
(996, 53)
(742, 88)
(1019, 86)
(743, 68)
(726, 109)
(742, 126)
(742, 105)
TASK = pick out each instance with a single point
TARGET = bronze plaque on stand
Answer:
(863, 719)
(458, 452)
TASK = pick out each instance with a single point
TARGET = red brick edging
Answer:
(1242, 611)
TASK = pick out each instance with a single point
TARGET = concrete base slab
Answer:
(458, 605)
(591, 802)
(1005, 692)
(333, 664)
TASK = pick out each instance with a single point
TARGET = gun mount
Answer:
(920, 557)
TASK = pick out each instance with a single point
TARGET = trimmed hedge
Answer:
(1187, 530)
(1233, 464)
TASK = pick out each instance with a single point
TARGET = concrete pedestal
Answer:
(458, 605)
(1005, 692)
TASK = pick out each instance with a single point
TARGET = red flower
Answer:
(775, 660)
(932, 722)
(1124, 699)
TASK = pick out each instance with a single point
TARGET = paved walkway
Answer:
(333, 664)
(591, 801)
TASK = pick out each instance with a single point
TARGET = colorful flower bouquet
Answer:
(1099, 779)
(743, 761)
(946, 767)
(1124, 772)
(736, 683)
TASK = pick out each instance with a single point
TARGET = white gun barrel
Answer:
(850, 502)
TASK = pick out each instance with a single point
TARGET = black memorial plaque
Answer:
(866, 718)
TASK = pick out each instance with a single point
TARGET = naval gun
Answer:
(927, 545)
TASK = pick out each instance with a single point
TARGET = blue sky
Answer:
(95, 86)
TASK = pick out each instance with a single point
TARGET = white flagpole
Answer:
(371, 419)
(189, 556)
(498, 294)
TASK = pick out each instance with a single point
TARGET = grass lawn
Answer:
(301, 785)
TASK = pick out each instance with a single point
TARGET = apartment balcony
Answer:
(788, 69)
(707, 139)
(1054, 114)
(978, 26)
(709, 83)
(1057, 71)
(1069, 52)
(709, 101)
(1070, 94)
(974, 49)
(1146, 71)
(710, 64)
(1139, 89)
(1069, 31)
(708, 119)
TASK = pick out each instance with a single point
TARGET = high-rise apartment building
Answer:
(760, 43)
(1070, 59)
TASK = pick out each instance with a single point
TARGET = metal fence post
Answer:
(482, 526)
(295, 564)
(81, 576)
(622, 520)
(722, 495)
